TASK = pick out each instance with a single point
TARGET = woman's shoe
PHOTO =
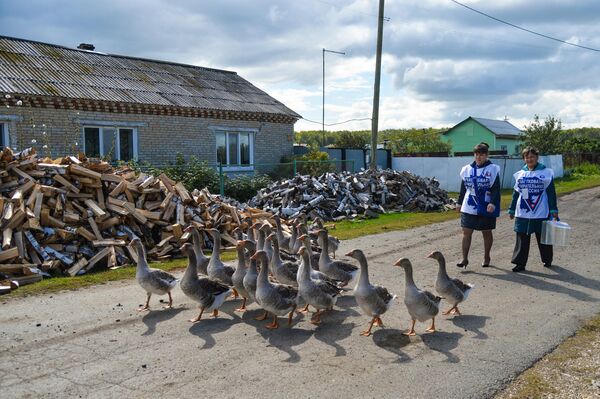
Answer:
(547, 264)
(463, 264)
(485, 263)
(518, 268)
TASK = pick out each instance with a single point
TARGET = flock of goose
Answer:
(278, 272)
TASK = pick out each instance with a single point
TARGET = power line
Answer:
(337, 123)
(524, 29)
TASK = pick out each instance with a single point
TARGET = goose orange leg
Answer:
(432, 329)
(216, 313)
(234, 293)
(316, 319)
(197, 319)
(378, 322)
(263, 317)
(304, 309)
(170, 304)
(412, 329)
(368, 332)
(243, 307)
(147, 305)
(274, 324)
(290, 316)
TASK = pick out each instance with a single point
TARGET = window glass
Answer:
(2, 143)
(245, 148)
(92, 141)
(125, 144)
(233, 148)
(221, 149)
(109, 143)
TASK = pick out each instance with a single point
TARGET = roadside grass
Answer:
(543, 378)
(344, 230)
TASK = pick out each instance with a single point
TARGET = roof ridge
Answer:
(117, 55)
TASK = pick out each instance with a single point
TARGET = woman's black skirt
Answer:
(477, 222)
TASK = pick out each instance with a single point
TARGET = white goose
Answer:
(452, 290)
(209, 294)
(153, 281)
(422, 305)
(374, 300)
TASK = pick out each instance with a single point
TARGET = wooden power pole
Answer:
(375, 117)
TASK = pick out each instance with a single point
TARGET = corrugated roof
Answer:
(28, 67)
(503, 128)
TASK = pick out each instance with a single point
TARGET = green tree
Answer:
(546, 137)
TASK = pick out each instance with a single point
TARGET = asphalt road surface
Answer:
(92, 343)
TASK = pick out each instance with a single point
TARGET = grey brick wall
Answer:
(160, 138)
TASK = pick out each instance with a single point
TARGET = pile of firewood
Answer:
(337, 196)
(68, 215)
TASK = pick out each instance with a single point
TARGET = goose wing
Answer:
(286, 291)
(161, 274)
(344, 266)
(383, 293)
(212, 287)
(328, 287)
(460, 285)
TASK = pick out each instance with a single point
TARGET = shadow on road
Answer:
(561, 274)
(443, 342)
(531, 279)
(392, 340)
(209, 326)
(471, 323)
(333, 329)
(153, 317)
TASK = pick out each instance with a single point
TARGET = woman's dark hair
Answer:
(529, 150)
(481, 148)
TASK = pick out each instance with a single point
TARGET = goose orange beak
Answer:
(398, 262)
(349, 253)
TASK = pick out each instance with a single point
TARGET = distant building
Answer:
(63, 100)
(499, 134)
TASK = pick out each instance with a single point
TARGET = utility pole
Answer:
(375, 117)
(323, 120)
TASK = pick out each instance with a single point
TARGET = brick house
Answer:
(62, 100)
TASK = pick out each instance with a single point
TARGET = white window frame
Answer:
(227, 132)
(117, 155)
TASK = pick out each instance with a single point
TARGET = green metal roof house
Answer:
(499, 134)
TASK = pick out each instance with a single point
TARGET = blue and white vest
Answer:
(531, 186)
(478, 183)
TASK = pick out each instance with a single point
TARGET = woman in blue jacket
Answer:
(533, 201)
(479, 202)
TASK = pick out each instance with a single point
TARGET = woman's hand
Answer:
(554, 215)
(491, 208)
(511, 216)
(458, 206)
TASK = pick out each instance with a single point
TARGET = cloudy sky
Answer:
(441, 62)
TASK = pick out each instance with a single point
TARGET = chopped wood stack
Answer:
(337, 196)
(68, 215)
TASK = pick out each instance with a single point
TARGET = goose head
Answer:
(249, 245)
(135, 243)
(355, 253)
(437, 255)
(186, 248)
(403, 263)
(271, 237)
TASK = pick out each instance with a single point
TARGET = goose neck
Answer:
(364, 270)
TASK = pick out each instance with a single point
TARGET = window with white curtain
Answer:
(235, 149)
(111, 143)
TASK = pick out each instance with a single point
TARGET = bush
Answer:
(314, 166)
(242, 188)
(587, 168)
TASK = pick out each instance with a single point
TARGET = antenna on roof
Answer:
(505, 118)
(86, 46)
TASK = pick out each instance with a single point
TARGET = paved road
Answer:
(92, 343)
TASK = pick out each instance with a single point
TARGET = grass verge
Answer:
(565, 371)
(343, 230)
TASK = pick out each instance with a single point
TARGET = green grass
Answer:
(56, 284)
(344, 230)
(531, 384)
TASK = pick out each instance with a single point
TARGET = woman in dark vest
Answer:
(479, 202)
(533, 201)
